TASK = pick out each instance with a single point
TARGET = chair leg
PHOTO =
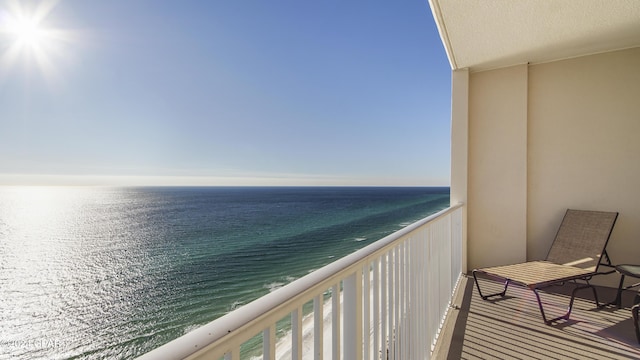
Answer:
(634, 312)
(485, 297)
(570, 308)
(618, 299)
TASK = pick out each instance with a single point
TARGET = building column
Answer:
(459, 148)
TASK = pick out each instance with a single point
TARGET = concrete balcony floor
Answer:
(512, 328)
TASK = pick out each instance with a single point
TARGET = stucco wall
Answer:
(497, 176)
(584, 147)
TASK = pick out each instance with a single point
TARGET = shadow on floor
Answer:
(512, 327)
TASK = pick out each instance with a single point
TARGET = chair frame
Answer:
(536, 287)
(623, 274)
(634, 311)
(635, 308)
(572, 274)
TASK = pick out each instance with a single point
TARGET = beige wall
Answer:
(547, 137)
(497, 177)
(584, 147)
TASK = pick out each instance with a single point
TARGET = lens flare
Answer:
(27, 32)
(28, 42)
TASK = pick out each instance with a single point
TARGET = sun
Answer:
(24, 26)
(28, 42)
(27, 32)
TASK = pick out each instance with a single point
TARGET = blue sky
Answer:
(257, 92)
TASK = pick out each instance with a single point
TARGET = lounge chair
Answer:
(577, 252)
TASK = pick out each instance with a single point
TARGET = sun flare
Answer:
(27, 32)
(27, 39)
(24, 27)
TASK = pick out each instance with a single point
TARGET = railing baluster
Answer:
(376, 309)
(383, 305)
(390, 313)
(318, 323)
(420, 294)
(296, 334)
(416, 308)
(431, 295)
(233, 354)
(405, 293)
(335, 322)
(435, 275)
(456, 247)
(269, 343)
(397, 322)
(411, 311)
(352, 316)
(366, 310)
(445, 268)
(401, 302)
(399, 315)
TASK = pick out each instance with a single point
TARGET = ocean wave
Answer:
(359, 239)
(236, 304)
(274, 286)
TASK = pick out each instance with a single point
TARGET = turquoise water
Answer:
(115, 272)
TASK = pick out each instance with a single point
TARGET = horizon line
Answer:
(291, 180)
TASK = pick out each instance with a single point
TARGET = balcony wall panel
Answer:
(584, 147)
(497, 156)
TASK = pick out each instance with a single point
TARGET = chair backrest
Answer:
(582, 238)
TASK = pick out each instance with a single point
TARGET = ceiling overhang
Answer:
(488, 34)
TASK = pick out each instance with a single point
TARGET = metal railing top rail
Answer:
(257, 310)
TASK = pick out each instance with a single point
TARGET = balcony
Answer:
(544, 117)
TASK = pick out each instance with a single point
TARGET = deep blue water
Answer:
(115, 272)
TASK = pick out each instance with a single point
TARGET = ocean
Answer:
(111, 273)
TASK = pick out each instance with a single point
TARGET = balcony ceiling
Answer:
(489, 34)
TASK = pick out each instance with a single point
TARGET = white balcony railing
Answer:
(393, 296)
